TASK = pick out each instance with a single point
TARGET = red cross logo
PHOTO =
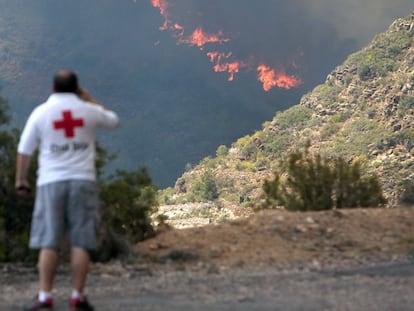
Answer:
(68, 124)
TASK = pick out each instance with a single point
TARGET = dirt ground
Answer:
(335, 260)
(278, 238)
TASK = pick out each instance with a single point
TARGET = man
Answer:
(63, 130)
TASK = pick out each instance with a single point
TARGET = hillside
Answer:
(364, 111)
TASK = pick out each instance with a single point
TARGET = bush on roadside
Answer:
(129, 199)
(307, 182)
(407, 197)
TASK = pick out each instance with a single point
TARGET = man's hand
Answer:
(84, 95)
(24, 192)
(21, 184)
(23, 189)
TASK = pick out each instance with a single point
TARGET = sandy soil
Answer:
(276, 238)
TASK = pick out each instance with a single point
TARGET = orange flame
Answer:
(271, 78)
(162, 5)
(231, 67)
(200, 38)
(178, 27)
(197, 38)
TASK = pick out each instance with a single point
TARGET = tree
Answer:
(15, 212)
(129, 198)
(222, 151)
(205, 187)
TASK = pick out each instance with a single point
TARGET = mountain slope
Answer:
(364, 111)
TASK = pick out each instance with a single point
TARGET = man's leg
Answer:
(47, 265)
(84, 202)
(80, 260)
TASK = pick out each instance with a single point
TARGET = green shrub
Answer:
(407, 197)
(365, 72)
(311, 182)
(381, 58)
(129, 198)
(261, 164)
(276, 144)
(245, 166)
(405, 137)
(248, 151)
(405, 104)
(329, 129)
(205, 187)
(222, 151)
(15, 212)
(165, 196)
(295, 116)
(358, 136)
(209, 162)
(4, 117)
(341, 116)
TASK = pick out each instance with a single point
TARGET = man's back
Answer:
(64, 130)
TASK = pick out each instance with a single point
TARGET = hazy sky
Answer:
(279, 33)
(359, 18)
(175, 109)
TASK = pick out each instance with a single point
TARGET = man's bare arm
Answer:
(22, 166)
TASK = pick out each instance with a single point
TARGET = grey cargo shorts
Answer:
(62, 208)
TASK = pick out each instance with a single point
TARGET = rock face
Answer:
(363, 112)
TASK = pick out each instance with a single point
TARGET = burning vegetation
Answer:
(225, 61)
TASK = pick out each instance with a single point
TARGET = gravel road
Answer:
(374, 286)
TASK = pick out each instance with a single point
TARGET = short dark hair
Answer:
(65, 81)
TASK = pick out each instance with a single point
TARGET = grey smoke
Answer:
(175, 109)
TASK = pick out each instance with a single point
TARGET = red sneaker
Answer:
(37, 305)
(80, 304)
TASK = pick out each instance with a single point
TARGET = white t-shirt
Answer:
(63, 128)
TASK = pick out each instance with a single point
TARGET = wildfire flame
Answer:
(269, 77)
(162, 5)
(231, 67)
(200, 38)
